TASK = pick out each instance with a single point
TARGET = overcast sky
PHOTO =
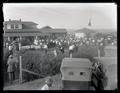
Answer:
(64, 15)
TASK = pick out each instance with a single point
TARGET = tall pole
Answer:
(99, 53)
(20, 76)
(19, 46)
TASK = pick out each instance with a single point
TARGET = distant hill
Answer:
(85, 30)
(92, 30)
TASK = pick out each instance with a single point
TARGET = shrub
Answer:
(39, 62)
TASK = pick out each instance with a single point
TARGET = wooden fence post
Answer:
(99, 53)
(70, 55)
(19, 46)
(20, 76)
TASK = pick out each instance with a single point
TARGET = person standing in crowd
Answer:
(10, 49)
(45, 48)
(11, 68)
(71, 47)
(6, 45)
(55, 52)
(62, 48)
(48, 84)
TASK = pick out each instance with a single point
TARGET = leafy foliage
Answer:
(39, 62)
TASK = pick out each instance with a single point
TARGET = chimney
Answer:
(9, 19)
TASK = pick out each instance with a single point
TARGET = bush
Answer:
(38, 62)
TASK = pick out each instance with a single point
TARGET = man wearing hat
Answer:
(11, 63)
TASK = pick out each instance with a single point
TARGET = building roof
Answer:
(76, 63)
(49, 29)
(33, 30)
(25, 34)
(54, 30)
(20, 22)
(21, 30)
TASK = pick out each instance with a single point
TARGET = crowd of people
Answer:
(64, 42)
(71, 42)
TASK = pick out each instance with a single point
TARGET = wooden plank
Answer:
(25, 70)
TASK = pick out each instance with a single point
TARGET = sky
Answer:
(64, 15)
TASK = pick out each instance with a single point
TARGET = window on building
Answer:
(71, 73)
(12, 26)
(16, 26)
(82, 73)
(5, 26)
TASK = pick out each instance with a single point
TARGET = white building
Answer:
(76, 73)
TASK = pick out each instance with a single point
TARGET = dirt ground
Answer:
(37, 84)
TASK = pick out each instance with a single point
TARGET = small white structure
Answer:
(76, 73)
(79, 35)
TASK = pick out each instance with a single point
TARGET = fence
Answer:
(24, 70)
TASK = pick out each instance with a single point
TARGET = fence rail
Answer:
(25, 70)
